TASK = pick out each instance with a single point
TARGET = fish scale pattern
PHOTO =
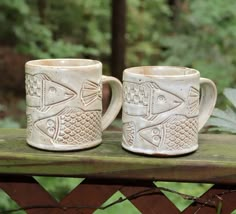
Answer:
(128, 133)
(135, 93)
(29, 124)
(33, 85)
(79, 127)
(181, 134)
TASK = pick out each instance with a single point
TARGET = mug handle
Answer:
(116, 100)
(207, 100)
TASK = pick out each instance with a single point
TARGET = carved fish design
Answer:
(29, 125)
(128, 133)
(177, 132)
(148, 100)
(90, 92)
(193, 101)
(42, 93)
(71, 126)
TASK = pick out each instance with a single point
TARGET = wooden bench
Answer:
(108, 168)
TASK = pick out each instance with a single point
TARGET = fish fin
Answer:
(70, 110)
(43, 108)
(128, 136)
(151, 85)
(43, 76)
(153, 117)
(150, 117)
(90, 85)
(90, 92)
(193, 101)
(154, 85)
(172, 118)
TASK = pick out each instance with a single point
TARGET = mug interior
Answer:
(161, 71)
(63, 62)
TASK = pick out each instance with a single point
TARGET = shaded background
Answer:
(194, 33)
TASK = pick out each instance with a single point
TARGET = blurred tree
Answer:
(196, 33)
(29, 34)
(42, 4)
(147, 24)
(118, 42)
(175, 8)
(203, 38)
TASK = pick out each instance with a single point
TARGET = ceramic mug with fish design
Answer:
(64, 103)
(162, 109)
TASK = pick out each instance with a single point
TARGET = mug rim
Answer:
(42, 63)
(142, 71)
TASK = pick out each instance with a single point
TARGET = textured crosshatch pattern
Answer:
(108, 169)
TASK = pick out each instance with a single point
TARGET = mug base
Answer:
(61, 148)
(160, 153)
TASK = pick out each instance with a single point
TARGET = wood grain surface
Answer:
(213, 162)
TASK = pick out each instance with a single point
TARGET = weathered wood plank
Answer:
(214, 162)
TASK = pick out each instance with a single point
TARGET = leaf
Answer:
(224, 120)
(231, 113)
(8, 122)
(221, 123)
(221, 129)
(226, 115)
(230, 93)
(219, 207)
(234, 212)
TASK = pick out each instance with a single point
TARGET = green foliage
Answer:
(7, 122)
(147, 23)
(203, 37)
(30, 35)
(124, 207)
(84, 22)
(219, 207)
(194, 33)
(7, 203)
(58, 187)
(225, 120)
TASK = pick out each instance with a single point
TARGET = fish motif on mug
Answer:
(90, 92)
(193, 102)
(176, 133)
(29, 125)
(71, 126)
(148, 100)
(42, 93)
(128, 136)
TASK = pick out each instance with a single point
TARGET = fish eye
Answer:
(50, 123)
(156, 139)
(52, 90)
(51, 130)
(161, 98)
(155, 131)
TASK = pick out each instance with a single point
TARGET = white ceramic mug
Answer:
(162, 109)
(64, 103)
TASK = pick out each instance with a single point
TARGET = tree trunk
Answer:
(118, 43)
(42, 4)
(175, 6)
